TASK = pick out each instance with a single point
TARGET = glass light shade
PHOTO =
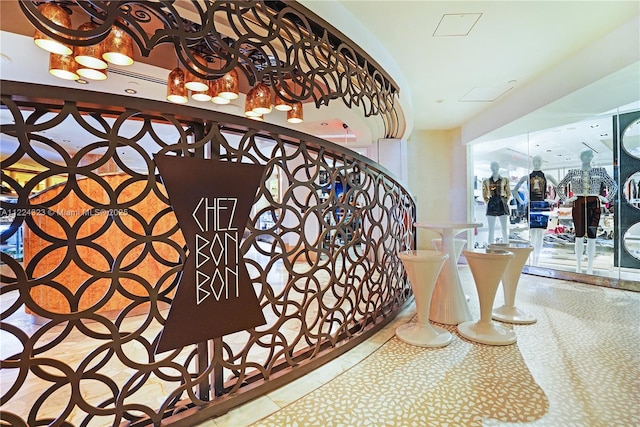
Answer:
(248, 107)
(194, 82)
(118, 47)
(204, 95)
(215, 93)
(295, 115)
(90, 56)
(63, 66)
(176, 90)
(281, 104)
(59, 16)
(260, 99)
(92, 73)
(230, 85)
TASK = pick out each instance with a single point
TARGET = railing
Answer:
(83, 310)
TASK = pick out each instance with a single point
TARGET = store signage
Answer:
(212, 201)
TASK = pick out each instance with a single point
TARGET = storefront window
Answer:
(561, 189)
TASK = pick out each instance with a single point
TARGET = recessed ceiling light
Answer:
(131, 91)
(439, 101)
(548, 151)
(595, 126)
(82, 81)
(324, 124)
(604, 134)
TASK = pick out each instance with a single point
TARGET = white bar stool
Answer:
(422, 269)
(509, 312)
(487, 267)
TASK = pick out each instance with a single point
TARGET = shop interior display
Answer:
(547, 171)
(584, 189)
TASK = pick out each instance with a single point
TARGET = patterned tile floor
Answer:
(579, 365)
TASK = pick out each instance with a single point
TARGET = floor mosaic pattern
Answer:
(579, 365)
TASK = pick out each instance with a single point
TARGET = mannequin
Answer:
(585, 184)
(496, 194)
(538, 204)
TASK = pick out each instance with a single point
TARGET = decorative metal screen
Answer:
(84, 300)
(275, 42)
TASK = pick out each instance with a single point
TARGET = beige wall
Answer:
(437, 166)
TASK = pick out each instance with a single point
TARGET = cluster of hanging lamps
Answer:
(220, 91)
(258, 103)
(89, 62)
(90, 58)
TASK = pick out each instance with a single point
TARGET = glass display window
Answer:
(564, 197)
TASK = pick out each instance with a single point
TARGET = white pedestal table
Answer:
(449, 304)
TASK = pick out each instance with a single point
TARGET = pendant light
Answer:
(279, 103)
(193, 82)
(118, 47)
(295, 115)
(176, 90)
(90, 56)
(92, 73)
(59, 16)
(215, 94)
(249, 104)
(63, 66)
(259, 99)
(203, 95)
(230, 85)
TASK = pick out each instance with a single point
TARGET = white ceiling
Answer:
(511, 44)
(532, 77)
(518, 68)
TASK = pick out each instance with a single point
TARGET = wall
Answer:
(437, 171)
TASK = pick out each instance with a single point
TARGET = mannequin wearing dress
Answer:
(585, 184)
(537, 186)
(496, 194)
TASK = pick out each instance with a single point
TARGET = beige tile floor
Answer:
(579, 365)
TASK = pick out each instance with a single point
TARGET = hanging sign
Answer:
(212, 201)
